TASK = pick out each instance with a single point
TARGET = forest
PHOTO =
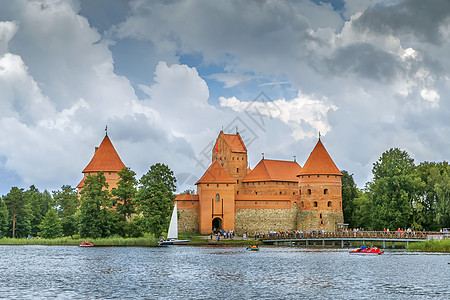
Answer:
(130, 210)
(401, 194)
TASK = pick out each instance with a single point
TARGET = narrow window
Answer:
(325, 191)
(237, 170)
(329, 204)
(320, 215)
(280, 192)
(237, 192)
(309, 191)
(315, 203)
(217, 198)
(217, 185)
(302, 204)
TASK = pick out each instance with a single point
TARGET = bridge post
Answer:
(393, 245)
(342, 243)
(371, 244)
(307, 244)
(323, 243)
(384, 244)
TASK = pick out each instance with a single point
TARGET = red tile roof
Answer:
(274, 170)
(235, 142)
(105, 159)
(216, 174)
(319, 163)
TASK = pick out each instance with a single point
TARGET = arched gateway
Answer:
(217, 223)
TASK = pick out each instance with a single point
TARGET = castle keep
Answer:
(275, 196)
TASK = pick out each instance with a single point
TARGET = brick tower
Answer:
(216, 199)
(105, 160)
(320, 192)
(230, 152)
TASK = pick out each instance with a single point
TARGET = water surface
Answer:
(67, 272)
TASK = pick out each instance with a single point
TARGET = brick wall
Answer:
(319, 220)
(265, 220)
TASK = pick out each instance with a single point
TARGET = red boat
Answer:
(86, 244)
(365, 250)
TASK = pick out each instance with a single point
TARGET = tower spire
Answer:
(106, 130)
(319, 136)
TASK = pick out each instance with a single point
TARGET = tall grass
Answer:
(431, 246)
(111, 241)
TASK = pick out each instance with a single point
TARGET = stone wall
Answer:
(265, 220)
(319, 220)
(190, 220)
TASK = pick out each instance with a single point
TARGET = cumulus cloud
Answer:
(305, 115)
(383, 63)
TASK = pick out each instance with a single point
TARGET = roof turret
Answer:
(319, 163)
(105, 159)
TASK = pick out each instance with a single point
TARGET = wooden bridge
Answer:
(345, 239)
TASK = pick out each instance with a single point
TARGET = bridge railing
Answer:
(346, 234)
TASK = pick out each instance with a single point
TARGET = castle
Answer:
(275, 196)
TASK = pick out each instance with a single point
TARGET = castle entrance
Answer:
(217, 224)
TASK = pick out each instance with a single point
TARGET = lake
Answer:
(183, 272)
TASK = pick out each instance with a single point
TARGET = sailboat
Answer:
(172, 234)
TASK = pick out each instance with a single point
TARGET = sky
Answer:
(167, 76)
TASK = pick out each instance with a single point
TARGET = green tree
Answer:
(443, 200)
(125, 193)
(394, 190)
(362, 213)
(67, 202)
(155, 198)
(425, 207)
(95, 206)
(51, 225)
(3, 218)
(38, 203)
(18, 211)
(349, 193)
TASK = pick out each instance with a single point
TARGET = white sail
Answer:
(173, 227)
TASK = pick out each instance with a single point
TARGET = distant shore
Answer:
(442, 246)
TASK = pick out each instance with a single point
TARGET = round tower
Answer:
(320, 191)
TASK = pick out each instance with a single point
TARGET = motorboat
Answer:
(366, 250)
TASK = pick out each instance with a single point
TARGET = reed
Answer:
(111, 241)
(431, 246)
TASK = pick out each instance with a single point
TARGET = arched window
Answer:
(320, 215)
(325, 191)
(302, 204)
(309, 191)
(329, 204)
(315, 203)
(217, 198)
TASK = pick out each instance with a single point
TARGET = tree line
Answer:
(130, 210)
(400, 195)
